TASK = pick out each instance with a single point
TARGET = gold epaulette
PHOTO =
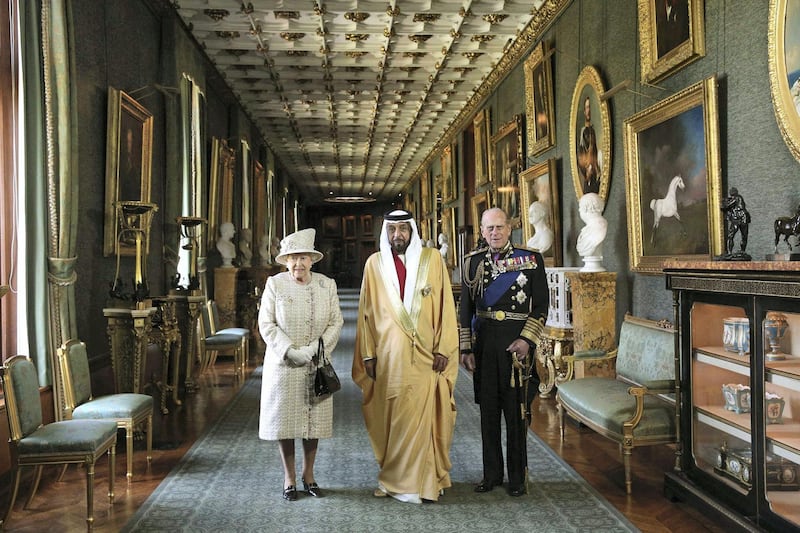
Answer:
(475, 252)
(526, 249)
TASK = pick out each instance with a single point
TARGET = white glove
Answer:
(298, 356)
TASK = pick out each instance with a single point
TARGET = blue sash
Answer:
(517, 261)
(498, 287)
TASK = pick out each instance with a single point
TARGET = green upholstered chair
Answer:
(65, 442)
(213, 341)
(127, 410)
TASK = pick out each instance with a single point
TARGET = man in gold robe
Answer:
(406, 362)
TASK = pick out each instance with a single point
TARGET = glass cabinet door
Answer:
(781, 408)
(720, 389)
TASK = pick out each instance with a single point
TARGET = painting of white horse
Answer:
(666, 207)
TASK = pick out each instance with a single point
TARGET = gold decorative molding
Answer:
(216, 15)
(228, 35)
(287, 15)
(494, 18)
(427, 17)
(482, 38)
(513, 55)
(356, 16)
(292, 36)
(419, 38)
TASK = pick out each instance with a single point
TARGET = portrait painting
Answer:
(480, 127)
(449, 174)
(540, 123)
(541, 223)
(332, 227)
(425, 192)
(260, 209)
(506, 161)
(366, 225)
(784, 69)
(220, 190)
(350, 227)
(673, 181)
(590, 136)
(129, 146)
(480, 203)
(671, 35)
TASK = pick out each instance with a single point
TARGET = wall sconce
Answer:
(190, 230)
(133, 236)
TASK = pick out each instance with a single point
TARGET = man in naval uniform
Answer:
(503, 308)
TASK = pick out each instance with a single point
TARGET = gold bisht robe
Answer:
(408, 409)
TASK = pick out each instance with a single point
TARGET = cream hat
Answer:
(299, 242)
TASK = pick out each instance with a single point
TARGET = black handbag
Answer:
(326, 382)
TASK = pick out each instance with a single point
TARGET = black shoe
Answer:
(313, 489)
(486, 486)
(517, 491)
(290, 493)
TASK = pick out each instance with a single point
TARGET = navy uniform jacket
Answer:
(511, 292)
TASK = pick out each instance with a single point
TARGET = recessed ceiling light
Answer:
(349, 199)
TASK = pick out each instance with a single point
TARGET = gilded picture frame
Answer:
(449, 174)
(480, 131)
(350, 227)
(673, 182)
(479, 203)
(129, 156)
(539, 109)
(590, 136)
(332, 227)
(671, 35)
(260, 209)
(220, 190)
(448, 228)
(539, 183)
(366, 225)
(784, 69)
(425, 193)
(507, 159)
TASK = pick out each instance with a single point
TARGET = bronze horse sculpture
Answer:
(788, 227)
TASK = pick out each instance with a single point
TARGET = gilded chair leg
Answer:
(14, 491)
(129, 450)
(112, 471)
(89, 495)
(560, 410)
(149, 439)
(37, 477)
(626, 461)
(63, 471)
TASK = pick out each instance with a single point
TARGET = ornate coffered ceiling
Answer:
(354, 96)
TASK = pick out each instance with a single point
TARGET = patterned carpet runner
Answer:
(231, 481)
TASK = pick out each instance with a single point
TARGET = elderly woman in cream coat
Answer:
(298, 308)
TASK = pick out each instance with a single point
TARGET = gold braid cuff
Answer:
(533, 329)
(465, 340)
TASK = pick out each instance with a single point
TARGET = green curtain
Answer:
(52, 190)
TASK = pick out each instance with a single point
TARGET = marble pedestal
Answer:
(593, 318)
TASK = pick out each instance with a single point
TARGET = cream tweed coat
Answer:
(296, 315)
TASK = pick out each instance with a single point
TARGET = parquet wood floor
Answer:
(61, 506)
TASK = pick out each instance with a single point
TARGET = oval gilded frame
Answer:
(787, 112)
(590, 85)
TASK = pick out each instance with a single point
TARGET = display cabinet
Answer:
(739, 386)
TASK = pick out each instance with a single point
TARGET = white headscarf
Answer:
(413, 253)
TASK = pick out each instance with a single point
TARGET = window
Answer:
(10, 158)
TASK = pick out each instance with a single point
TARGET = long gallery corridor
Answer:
(60, 506)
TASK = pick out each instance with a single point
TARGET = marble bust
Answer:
(591, 237)
(542, 239)
(225, 245)
(245, 240)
